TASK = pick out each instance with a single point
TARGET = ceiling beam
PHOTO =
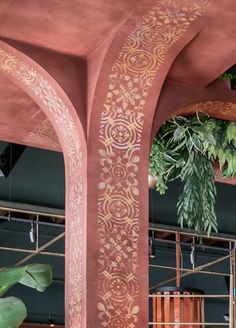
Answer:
(42, 248)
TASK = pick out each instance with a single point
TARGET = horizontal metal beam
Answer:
(38, 251)
(21, 250)
(189, 323)
(190, 295)
(14, 219)
(189, 245)
(197, 269)
(188, 270)
(32, 209)
(190, 232)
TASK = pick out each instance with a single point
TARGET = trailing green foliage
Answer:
(185, 149)
(227, 76)
(13, 310)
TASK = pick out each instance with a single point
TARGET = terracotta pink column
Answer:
(119, 143)
(109, 288)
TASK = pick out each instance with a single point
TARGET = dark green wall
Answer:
(51, 301)
(164, 206)
(38, 178)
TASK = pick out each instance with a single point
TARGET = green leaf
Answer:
(231, 131)
(227, 76)
(179, 133)
(9, 277)
(197, 143)
(12, 312)
(185, 148)
(210, 139)
(38, 276)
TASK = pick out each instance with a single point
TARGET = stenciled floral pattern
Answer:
(43, 135)
(51, 102)
(121, 128)
(214, 108)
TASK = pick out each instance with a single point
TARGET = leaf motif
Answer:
(101, 307)
(135, 310)
(102, 153)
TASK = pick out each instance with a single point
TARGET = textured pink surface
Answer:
(24, 121)
(52, 100)
(212, 51)
(75, 27)
(121, 120)
(102, 69)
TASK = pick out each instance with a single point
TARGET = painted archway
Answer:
(124, 104)
(215, 108)
(48, 95)
(119, 143)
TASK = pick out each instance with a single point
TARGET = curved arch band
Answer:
(49, 96)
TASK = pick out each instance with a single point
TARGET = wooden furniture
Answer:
(177, 305)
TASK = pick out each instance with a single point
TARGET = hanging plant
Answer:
(227, 76)
(186, 148)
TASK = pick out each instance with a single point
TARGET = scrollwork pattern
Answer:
(121, 128)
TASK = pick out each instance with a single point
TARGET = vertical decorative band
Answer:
(60, 117)
(121, 126)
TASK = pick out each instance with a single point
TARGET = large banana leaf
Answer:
(38, 276)
(12, 312)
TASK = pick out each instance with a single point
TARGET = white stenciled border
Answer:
(27, 74)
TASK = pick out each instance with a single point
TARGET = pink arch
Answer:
(53, 101)
(133, 73)
(215, 108)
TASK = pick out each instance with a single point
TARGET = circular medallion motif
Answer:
(118, 172)
(140, 61)
(152, 35)
(118, 209)
(121, 134)
(118, 288)
(118, 323)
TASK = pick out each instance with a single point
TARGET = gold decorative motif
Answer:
(43, 135)
(54, 106)
(121, 128)
(217, 109)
